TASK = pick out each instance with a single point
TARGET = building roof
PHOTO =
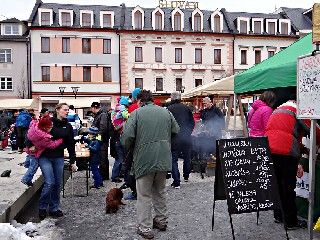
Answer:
(11, 20)
(298, 18)
(123, 19)
(15, 38)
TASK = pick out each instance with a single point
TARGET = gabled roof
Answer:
(11, 20)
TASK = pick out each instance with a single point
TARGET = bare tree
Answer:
(22, 88)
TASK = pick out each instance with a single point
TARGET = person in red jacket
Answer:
(284, 132)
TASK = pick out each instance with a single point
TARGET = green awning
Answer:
(279, 70)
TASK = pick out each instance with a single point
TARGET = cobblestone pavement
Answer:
(190, 214)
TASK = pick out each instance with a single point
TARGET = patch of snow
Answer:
(45, 230)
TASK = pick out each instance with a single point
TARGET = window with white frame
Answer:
(257, 56)
(198, 55)
(138, 18)
(243, 56)
(285, 26)
(178, 84)
(216, 21)
(158, 54)
(106, 19)
(11, 29)
(271, 25)
(157, 19)
(86, 18)
(177, 20)
(5, 83)
(271, 53)
(65, 18)
(159, 84)
(257, 27)
(197, 26)
(217, 56)
(243, 24)
(45, 16)
(5, 55)
(197, 82)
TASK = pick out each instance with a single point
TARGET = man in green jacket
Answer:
(148, 131)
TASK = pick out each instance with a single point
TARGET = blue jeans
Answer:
(97, 179)
(27, 161)
(52, 170)
(32, 169)
(118, 161)
(186, 152)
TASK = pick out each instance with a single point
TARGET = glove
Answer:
(60, 141)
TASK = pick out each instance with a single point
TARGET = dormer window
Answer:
(11, 29)
(243, 25)
(178, 19)
(271, 25)
(106, 19)
(197, 24)
(257, 25)
(86, 18)
(284, 25)
(177, 22)
(138, 18)
(66, 18)
(216, 21)
(45, 17)
(158, 19)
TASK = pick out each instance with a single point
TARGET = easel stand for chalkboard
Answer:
(245, 178)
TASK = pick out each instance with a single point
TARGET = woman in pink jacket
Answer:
(260, 113)
(38, 134)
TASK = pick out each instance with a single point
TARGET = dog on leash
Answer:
(113, 200)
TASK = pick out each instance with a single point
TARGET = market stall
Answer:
(17, 104)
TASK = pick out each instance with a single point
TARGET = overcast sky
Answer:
(21, 9)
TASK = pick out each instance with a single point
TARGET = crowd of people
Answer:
(146, 140)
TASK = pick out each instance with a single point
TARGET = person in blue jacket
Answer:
(94, 145)
(22, 125)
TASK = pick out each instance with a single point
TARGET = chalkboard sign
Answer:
(248, 175)
(308, 87)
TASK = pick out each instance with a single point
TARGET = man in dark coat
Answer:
(182, 143)
(101, 121)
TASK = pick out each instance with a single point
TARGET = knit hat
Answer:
(135, 93)
(93, 130)
(44, 123)
(124, 101)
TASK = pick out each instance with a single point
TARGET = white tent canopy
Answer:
(83, 102)
(223, 86)
(18, 104)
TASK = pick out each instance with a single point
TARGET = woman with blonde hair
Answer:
(260, 113)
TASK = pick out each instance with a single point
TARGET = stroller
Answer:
(203, 147)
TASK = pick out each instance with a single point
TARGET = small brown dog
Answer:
(113, 200)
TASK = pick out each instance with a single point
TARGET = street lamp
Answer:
(61, 89)
(75, 91)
